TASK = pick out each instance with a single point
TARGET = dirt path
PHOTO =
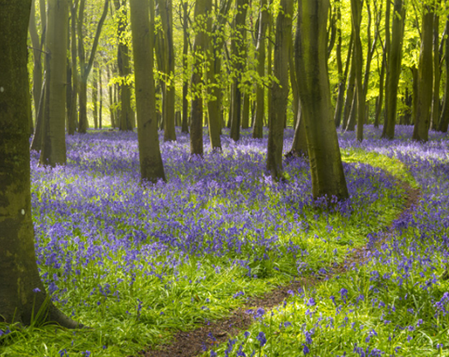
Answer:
(195, 342)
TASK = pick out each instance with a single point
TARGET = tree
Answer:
(237, 49)
(356, 6)
(326, 168)
(124, 68)
(166, 63)
(394, 58)
(53, 140)
(425, 76)
(151, 167)
(22, 293)
(200, 46)
(85, 68)
(260, 88)
(279, 88)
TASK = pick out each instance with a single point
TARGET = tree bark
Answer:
(200, 47)
(237, 49)
(260, 88)
(394, 59)
(356, 10)
(435, 111)
(279, 89)
(124, 67)
(166, 64)
(22, 293)
(53, 141)
(425, 76)
(185, 82)
(326, 168)
(151, 167)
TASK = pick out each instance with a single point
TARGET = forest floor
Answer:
(165, 269)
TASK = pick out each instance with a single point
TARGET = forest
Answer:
(224, 178)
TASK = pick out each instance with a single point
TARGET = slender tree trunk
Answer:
(349, 94)
(151, 167)
(185, 82)
(394, 59)
(279, 91)
(86, 67)
(54, 149)
(425, 76)
(444, 120)
(379, 100)
(260, 88)
(95, 95)
(37, 59)
(328, 179)
(237, 49)
(166, 64)
(124, 67)
(100, 113)
(435, 112)
(73, 117)
(213, 76)
(202, 15)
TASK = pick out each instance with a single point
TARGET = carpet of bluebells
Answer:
(138, 262)
(396, 303)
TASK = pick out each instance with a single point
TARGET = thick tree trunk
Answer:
(53, 142)
(279, 91)
(260, 88)
(328, 179)
(237, 49)
(22, 294)
(151, 167)
(425, 76)
(394, 59)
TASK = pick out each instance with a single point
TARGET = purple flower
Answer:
(261, 338)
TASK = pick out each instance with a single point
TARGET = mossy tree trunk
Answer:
(328, 179)
(22, 293)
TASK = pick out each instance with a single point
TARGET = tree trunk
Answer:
(213, 76)
(37, 59)
(356, 10)
(444, 120)
(435, 112)
(185, 82)
(394, 59)
(73, 115)
(151, 167)
(328, 179)
(425, 76)
(166, 64)
(86, 67)
(237, 49)
(279, 91)
(349, 94)
(53, 142)
(22, 293)
(260, 88)
(124, 68)
(95, 95)
(203, 22)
